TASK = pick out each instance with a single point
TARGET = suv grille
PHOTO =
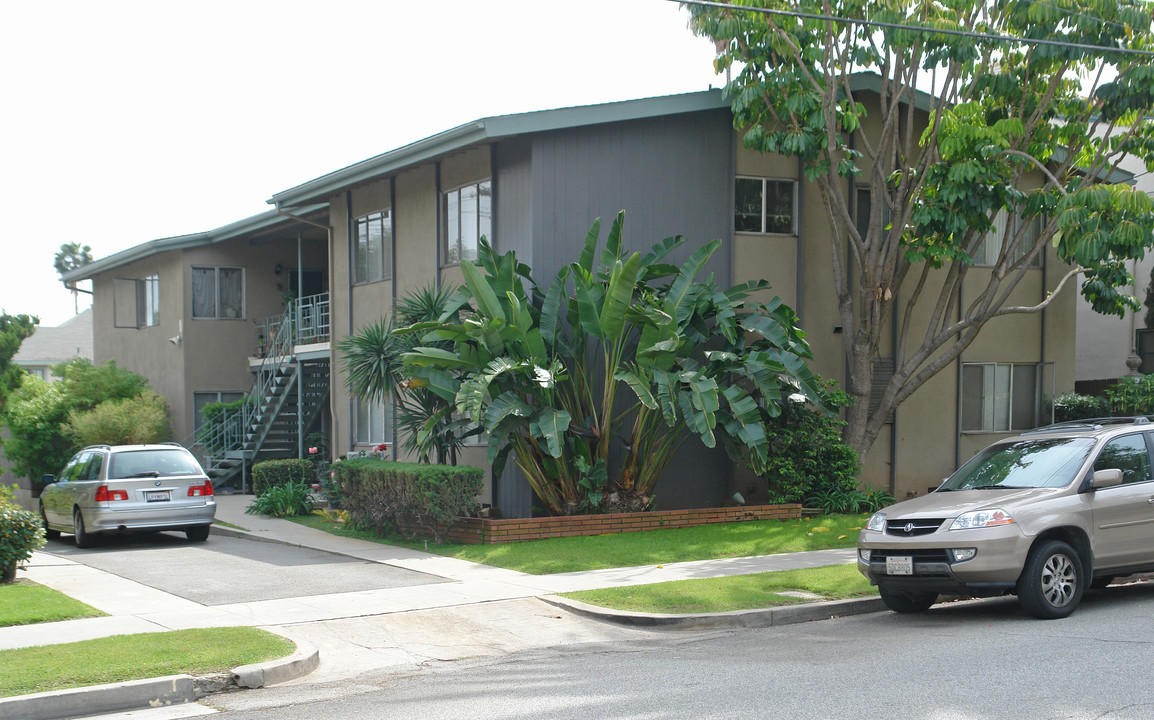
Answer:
(911, 528)
(917, 555)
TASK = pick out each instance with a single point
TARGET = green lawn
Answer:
(25, 602)
(650, 547)
(739, 592)
(134, 657)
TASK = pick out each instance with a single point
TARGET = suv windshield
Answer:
(151, 463)
(1048, 463)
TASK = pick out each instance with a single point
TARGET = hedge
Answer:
(274, 473)
(376, 492)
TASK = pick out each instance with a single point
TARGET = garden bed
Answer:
(486, 531)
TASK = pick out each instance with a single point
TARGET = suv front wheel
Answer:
(1052, 581)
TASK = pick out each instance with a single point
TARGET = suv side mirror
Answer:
(1106, 478)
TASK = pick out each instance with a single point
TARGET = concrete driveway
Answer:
(227, 570)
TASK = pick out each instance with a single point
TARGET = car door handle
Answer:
(1150, 500)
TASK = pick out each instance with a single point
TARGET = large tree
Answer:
(955, 115)
(13, 331)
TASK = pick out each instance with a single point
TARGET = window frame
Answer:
(375, 409)
(989, 415)
(217, 304)
(1008, 231)
(384, 270)
(197, 416)
(483, 221)
(765, 181)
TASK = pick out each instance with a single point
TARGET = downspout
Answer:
(799, 251)
(349, 259)
(1039, 380)
(440, 220)
(296, 341)
(393, 287)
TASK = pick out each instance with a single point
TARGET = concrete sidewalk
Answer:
(136, 608)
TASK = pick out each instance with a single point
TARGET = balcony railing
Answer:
(308, 320)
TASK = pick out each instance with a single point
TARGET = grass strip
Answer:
(134, 657)
(25, 602)
(737, 592)
(648, 547)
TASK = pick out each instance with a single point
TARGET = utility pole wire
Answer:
(917, 28)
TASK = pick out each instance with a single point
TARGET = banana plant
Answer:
(620, 347)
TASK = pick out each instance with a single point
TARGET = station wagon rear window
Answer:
(151, 463)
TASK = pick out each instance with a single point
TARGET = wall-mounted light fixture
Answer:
(278, 269)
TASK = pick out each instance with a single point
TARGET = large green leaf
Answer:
(587, 313)
(619, 297)
(550, 425)
(612, 252)
(487, 303)
(551, 307)
(681, 294)
(436, 380)
(586, 259)
(640, 385)
(504, 405)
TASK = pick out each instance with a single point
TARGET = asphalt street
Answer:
(227, 570)
(977, 660)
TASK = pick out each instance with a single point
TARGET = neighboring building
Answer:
(534, 183)
(49, 346)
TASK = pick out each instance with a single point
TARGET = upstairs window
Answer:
(1000, 397)
(762, 205)
(466, 215)
(1024, 232)
(136, 302)
(373, 247)
(218, 293)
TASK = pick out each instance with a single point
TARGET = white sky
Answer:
(122, 122)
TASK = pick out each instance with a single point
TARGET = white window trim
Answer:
(444, 249)
(386, 269)
(388, 433)
(793, 210)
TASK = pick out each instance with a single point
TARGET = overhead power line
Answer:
(918, 28)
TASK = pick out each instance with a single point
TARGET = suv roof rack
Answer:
(97, 445)
(1091, 424)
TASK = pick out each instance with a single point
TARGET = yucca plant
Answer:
(541, 372)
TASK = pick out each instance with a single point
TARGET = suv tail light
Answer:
(200, 490)
(103, 494)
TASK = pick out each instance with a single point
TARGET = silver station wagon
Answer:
(1044, 516)
(124, 488)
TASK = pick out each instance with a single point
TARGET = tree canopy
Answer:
(71, 256)
(13, 331)
(945, 135)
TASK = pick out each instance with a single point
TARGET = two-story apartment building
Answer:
(533, 183)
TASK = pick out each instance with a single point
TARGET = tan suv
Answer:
(1042, 515)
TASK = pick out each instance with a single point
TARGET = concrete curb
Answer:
(763, 617)
(156, 692)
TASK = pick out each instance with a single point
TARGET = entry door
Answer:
(1124, 514)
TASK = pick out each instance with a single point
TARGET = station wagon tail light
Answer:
(982, 519)
(103, 494)
(200, 490)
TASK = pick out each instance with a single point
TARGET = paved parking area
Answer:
(227, 570)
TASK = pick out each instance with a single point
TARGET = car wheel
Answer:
(907, 601)
(1051, 584)
(48, 532)
(84, 539)
(198, 533)
(1099, 583)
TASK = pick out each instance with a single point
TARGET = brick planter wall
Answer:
(483, 531)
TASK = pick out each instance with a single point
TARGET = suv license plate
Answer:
(902, 565)
(156, 496)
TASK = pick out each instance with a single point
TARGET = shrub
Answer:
(806, 454)
(377, 492)
(292, 498)
(21, 534)
(134, 421)
(1132, 396)
(274, 473)
(1072, 406)
(834, 500)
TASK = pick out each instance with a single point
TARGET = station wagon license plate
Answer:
(156, 496)
(900, 565)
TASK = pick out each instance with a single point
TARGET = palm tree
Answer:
(72, 255)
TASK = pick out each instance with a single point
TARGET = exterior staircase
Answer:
(287, 401)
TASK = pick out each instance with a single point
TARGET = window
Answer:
(218, 293)
(373, 247)
(374, 422)
(467, 214)
(761, 205)
(1128, 454)
(1023, 231)
(136, 302)
(999, 397)
(201, 399)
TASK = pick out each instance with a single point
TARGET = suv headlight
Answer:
(877, 522)
(982, 519)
